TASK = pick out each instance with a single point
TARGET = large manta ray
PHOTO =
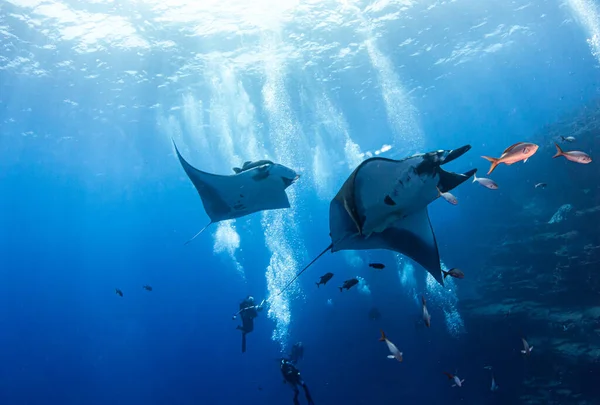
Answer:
(260, 186)
(383, 205)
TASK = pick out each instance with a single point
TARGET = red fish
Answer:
(513, 154)
(574, 156)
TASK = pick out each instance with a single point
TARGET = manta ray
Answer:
(383, 205)
(259, 186)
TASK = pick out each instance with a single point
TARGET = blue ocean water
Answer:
(93, 198)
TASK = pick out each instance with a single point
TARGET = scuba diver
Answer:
(291, 376)
(249, 311)
(297, 353)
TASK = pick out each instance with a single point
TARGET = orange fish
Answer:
(574, 156)
(513, 154)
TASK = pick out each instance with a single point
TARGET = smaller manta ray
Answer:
(383, 205)
(258, 186)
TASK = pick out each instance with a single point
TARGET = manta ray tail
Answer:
(449, 180)
(289, 283)
(196, 235)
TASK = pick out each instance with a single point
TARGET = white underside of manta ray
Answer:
(383, 205)
(258, 186)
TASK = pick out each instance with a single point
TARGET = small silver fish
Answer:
(488, 183)
(455, 379)
(526, 348)
(395, 353)
(567, 138)
(494, 387)
(426, 316)
(448, 197)
(541, 185)
(574, 155)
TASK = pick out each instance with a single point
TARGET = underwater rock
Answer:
(561, 214)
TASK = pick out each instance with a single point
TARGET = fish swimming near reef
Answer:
(485, 182)
(526, 348)
(324, 279)
(456, 273)
(425, 313)
(455, 379)
(574, 155)
(494, 387)
(348, 284)
(448, 197)
(395, 353)
(520, 151)
(567, 138)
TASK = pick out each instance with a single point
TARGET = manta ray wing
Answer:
(387, 190)
(412, 236)
(370, 184)
(215, 206)
(344, 199)
(341, 223)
